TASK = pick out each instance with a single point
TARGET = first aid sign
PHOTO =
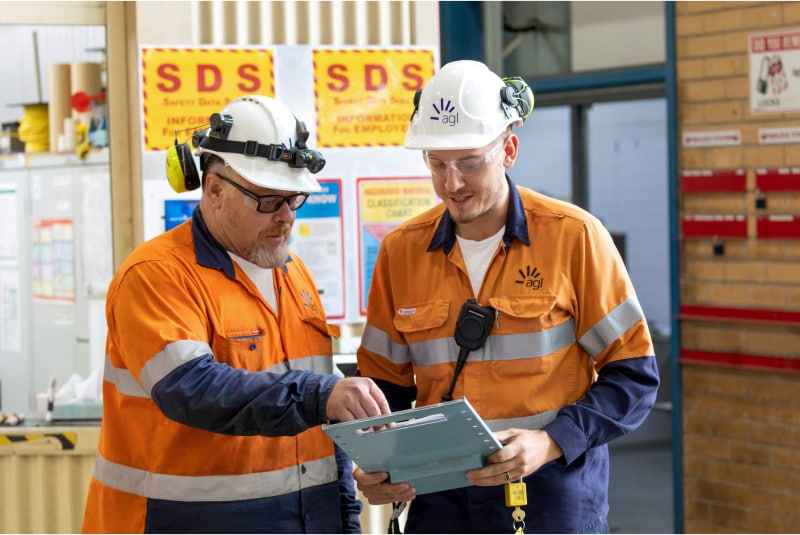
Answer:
(182, 87)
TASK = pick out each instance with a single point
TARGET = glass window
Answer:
(544, 163)
(628, 191)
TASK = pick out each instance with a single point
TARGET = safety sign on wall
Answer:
(182, 87)
(318, 238)
(363, 96)
(382, 205)
(775, 71)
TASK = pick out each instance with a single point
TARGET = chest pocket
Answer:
(243, 348)
(418, 320)
(318, 336)
(518, 314)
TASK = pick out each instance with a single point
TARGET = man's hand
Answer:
(378, 491)
(523, 453)
(353, 398)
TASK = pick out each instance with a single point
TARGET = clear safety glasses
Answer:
(469, 165)
(268, 204)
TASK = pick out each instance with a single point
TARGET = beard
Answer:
(463, 217)
(270, 258)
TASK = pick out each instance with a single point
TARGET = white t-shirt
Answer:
(261, 277)
(477, 255)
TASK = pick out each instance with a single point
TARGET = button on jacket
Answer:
(210, 421)
(569, 351)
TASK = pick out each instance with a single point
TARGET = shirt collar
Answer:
(516, 224)
(209, 252)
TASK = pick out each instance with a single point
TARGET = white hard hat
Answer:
(465, 106)
(264, 142)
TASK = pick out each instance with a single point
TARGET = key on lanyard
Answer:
(516, 495)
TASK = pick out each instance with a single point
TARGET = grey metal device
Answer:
(429, 447)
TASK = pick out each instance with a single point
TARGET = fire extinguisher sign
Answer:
(775, 71)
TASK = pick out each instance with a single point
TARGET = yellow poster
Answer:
(182, 87)
(392, 201)
(365, 97)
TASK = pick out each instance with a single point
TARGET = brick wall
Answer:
(740, 345)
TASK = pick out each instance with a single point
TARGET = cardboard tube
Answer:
(59, 106)
(85, 77)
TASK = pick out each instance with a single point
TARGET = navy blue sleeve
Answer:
(616, 404)
(349, 504)
(215, 397)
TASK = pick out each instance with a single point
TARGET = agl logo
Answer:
(531, 278)
(444, 113)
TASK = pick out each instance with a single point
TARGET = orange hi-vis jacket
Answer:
(212, 402)
(569, 350)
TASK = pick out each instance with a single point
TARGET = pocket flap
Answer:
(322, 326)
(524, 307)
(422, 316)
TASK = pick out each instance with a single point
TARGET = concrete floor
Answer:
(641, 481)
(640, 488)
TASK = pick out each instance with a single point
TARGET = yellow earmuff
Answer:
(182, 172)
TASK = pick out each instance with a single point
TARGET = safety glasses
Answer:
(268, 204)
(469, 165)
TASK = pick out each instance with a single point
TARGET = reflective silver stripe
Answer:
(168, 359)
(126, 384)
(316, 364)
(537, 421)
(214, 488)
(123, 380)
(378, 341)
(498, 347)
(612, 326)
(526, 345)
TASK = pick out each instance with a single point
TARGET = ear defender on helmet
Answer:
(516, 94)
(181, 170)
(417, 96)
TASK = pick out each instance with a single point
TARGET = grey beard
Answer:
(268, 258)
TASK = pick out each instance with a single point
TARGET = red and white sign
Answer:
(779, 135)
(712, 139)
(775, 71)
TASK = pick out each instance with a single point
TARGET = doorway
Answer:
(611, 157)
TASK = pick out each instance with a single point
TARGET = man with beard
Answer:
(561, 362)
(219, 366)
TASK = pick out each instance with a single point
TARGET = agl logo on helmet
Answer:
(444, 113)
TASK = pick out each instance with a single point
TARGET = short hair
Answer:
(207, 162)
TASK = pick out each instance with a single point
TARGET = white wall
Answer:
(617, 34)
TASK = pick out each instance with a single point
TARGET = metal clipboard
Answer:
(429, 448)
